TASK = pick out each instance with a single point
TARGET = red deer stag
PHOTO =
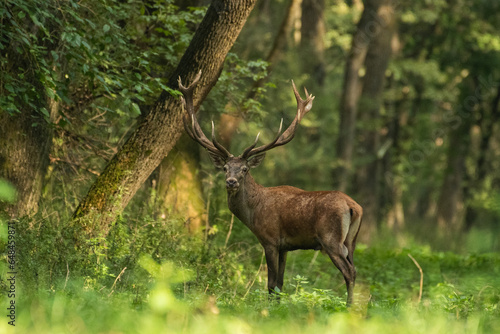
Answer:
(282, 218)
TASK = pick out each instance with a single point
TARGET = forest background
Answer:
(113, 206)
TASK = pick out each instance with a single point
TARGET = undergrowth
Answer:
(150, 275)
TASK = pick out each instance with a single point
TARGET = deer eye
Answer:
(244, 169)
(225, 169)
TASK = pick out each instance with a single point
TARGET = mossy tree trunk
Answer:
(25, 136)
(180, 191)
(162, 127)
(24, 157)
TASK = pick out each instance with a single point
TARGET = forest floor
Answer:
(459, 294)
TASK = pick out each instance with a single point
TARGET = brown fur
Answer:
(282, 218)
(285, 218)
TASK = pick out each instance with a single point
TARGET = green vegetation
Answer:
(79, 77)
(151, 277)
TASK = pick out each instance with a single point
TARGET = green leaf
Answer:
(45, 112)
(50, 93)
(54, 55)
(9, 88)
(106, 28)
(7, 191)
(135, 109)
(21, 15)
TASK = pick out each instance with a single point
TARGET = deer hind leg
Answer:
(335, 243)
(350, 240)
(338, 254)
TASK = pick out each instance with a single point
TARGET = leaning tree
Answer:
(160, 129)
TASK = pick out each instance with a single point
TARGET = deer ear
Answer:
(217, 160)
(256, 160)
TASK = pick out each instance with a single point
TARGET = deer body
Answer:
(290, 218)
(283, 218)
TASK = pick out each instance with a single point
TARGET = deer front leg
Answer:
(281, 268)
(272, 268)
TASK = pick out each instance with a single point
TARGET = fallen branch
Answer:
(116, 280)
(421, 277)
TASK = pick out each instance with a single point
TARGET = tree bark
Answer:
(451, 197)
(478, 180)
(312, 33)
(24, 157)
(179, 187)
(350, 94)
(25, 138)
(377, 60)
(162, 127)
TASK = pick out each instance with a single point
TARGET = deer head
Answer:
(237, 167)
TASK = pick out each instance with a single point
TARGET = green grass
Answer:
(461, 294)
(151, 276)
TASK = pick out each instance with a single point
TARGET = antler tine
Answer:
(217, 144)
(303, 107)
(249, 148)
(191, 125)
(190, 87)
(249, 151)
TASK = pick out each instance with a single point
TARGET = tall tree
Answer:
(474, 114)
(478, 180)
(25, 105)
(179, 190)
(312, 34)
(24, 156)
(63, 64)
(351, 90)
(161, 128)
(370, 103)
(371, 49)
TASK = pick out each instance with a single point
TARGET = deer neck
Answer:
(243, 202)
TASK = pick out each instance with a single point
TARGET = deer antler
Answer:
(191, 124)
(303, 107)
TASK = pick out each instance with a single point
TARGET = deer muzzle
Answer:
(232, 184)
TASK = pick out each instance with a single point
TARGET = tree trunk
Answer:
(25, 139)
(311, 40)
(393, 179)
(377, 60)
(450, 200)
(451, 197)
(179, 187)
(478, 181)
(162, 127)
(24, 157)
(350, 94)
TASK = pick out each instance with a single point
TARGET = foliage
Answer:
(158, 278)
(7, 191)
(83, 52)
(105, 62)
